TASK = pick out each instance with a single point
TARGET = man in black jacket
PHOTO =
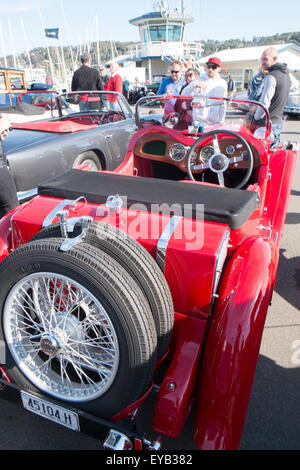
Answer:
(275, 93)
(8, 192)
(85, 79)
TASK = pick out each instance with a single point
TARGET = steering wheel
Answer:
(218, 162)
(110, 114)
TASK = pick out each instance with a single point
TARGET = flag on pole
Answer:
(52, 33)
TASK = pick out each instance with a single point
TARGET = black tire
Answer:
(89, 158)
(95, 300)
(141, 266)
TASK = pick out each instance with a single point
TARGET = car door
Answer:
(117, 135)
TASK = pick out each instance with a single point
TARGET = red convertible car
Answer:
(155, 277)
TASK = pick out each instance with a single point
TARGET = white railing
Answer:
(165, 49)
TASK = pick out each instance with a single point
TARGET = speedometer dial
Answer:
(206, 153)
(177, 152)
(230, 149)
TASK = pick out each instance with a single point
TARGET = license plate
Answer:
(48, 410)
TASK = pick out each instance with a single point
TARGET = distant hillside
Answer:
(39, 56)
(211, 46)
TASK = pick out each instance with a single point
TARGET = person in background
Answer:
(254, 92)
(104, 78)
(126, 86)
(175, 82)
(209, 85)
(183, 107)
(8, 192)
(103, 75)
(86, 78)
(171, 86)
(275, 93)
(230, 87)
(115, 83)
(190, 75)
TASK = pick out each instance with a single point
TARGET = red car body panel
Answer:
(233, 345)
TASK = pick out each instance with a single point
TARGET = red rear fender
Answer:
(233, 343)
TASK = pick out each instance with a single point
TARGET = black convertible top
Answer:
(223, 205)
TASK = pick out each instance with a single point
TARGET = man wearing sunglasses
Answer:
(174, 83)
(210, 84)
(172, 86)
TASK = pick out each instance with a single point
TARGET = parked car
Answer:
(21, 102)
(97, 137)
(292, 107)
(149, 89)
(12, 84)
(156, 276)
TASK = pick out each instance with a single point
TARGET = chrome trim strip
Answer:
(164, 239)
(24, 196)
(220, 261)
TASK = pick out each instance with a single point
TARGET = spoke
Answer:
(79, 328)
(216, 144)
(86, 360)
(237, 159)
(202, 166)
(221, 179)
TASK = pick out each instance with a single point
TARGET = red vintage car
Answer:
(154, 277)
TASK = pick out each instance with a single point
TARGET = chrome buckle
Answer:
(54, 213)
(67, 226)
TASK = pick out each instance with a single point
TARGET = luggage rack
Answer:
(114, 436)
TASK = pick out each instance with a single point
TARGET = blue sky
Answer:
(77, 20)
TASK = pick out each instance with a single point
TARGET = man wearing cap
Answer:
(210, 84)
(85, 79)
(103, 75)
(104, 78)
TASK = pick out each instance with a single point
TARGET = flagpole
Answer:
(97, 39)
(11, 42)
(3, 46)
(26, 43)
(63, 63)
(67, 28)
(52, 69)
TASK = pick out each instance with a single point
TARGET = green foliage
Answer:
(211, 46)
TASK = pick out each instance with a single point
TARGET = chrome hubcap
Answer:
(61, 337)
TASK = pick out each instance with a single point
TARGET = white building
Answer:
(161, 41)
(243, 63)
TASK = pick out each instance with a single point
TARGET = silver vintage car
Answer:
(94, 130)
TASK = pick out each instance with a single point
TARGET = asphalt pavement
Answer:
(273, 416)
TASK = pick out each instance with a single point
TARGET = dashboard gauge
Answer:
(206, 153)
(177, 152)
(230, 149)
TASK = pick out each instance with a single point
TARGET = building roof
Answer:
(248, 53)
(154, 15)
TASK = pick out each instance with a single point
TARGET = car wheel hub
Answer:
(61, 337)
(218, 163)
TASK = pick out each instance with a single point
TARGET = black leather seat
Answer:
(227, 206)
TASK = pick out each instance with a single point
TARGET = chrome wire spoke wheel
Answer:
(61, 337)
